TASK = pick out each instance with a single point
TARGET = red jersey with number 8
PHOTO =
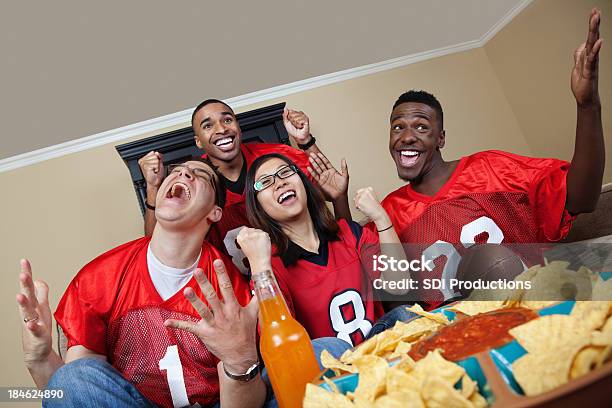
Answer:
(334, 297)
(491, 197)
(112, 308)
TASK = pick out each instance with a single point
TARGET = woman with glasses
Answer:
(323, 266)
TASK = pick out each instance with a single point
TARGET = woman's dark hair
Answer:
(322, 219)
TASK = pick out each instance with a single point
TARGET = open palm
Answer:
(586, 61)
(332, 182)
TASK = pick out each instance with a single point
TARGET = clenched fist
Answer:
(297, 125)
(256, 247)
(152, 167)
(368, 203)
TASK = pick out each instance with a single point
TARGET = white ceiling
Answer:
(72, 69)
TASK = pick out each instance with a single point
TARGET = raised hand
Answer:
(297, 125)
(586, 64)
(334, 184)
(152, 167)
(35, 314)
(227, 329)
(256, 246)
(368, 203)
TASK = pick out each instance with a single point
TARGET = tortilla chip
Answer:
(543, 334)
(602, 289)
(546, 369)
(399, 381)
(438, 393)
(436, 317)
(478, 400)
(586, 360)
(434, 365)
(328, 361)
(372, 377)
(401, 349)
(317, 397)
(591, 314)
(404, 399)
(555, 282)
(468, 386)
(471, 308)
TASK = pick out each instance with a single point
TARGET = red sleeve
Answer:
(83, 311)
(545, 182)
(548, 194)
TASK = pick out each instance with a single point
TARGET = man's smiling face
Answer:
(187, 195)
(415, 138)
(217, 131)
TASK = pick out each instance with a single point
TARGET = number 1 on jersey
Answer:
(174, 374)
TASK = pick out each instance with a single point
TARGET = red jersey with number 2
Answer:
(491, 197)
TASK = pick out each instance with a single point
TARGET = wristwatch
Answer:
(251, 373)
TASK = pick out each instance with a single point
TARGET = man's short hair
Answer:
(422, 97)
(208, 102)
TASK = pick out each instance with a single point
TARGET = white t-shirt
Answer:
(168, 280)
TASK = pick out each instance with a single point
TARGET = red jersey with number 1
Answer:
(112, 308)
(491, 197)
(223, 233)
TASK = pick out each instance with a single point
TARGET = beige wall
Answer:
(533, 58)
(61, 213)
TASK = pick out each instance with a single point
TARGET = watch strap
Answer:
(251, 373)
(308, 144)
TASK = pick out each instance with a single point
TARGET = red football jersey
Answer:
(223, 233)
(335, 299)
(491, 197)
(112, 308)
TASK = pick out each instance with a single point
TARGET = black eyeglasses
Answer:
(267, 181)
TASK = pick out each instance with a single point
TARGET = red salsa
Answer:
(473, 334)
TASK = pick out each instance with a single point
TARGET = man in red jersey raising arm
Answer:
(492, 196)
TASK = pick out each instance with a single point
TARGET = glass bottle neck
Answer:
(272, 305)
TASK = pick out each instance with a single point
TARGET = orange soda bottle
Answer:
(284, 344)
